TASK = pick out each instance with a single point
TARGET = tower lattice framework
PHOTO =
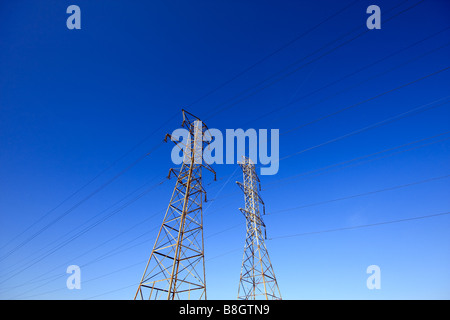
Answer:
(176, 267)
(257, 279)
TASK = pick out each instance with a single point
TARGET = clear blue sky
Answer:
(73, 102)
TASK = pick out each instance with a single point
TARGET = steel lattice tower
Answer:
(176, 267)
(257, 280)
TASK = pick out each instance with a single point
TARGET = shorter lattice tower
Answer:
(257, 280)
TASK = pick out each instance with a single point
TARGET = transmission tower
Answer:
(176, 267)
(257, 280)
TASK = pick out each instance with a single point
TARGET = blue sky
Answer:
(78, 107)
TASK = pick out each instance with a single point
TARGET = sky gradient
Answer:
(364, 126)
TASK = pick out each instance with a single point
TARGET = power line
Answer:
(57, 219)
(145, 261)
(84, 281)
(54, 221)
(97, 259)
(40, 231)
(199, 99)
(90, 219)
(225, 253)
(284, 46)
(38, 259)
(146, 232)
(356, 85)
(402, 115)
(322, 170)
(100, 174)
(244, 71)
(220, 190)
(106, 255)
(385, 156)
(88, 183)
(112, 291)
(299, 207)
(35, 279)
(368, 100)
(420, 56)
(310, 233)
(343, 198)
(298, 235)
(102, 257)
(352, 74)
(129, 286)
(364, 157)
(115, 250)
(362, 194)
(361, 226)
(217, 110)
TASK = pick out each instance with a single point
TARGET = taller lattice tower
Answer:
(176, 267)
(257, 280)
